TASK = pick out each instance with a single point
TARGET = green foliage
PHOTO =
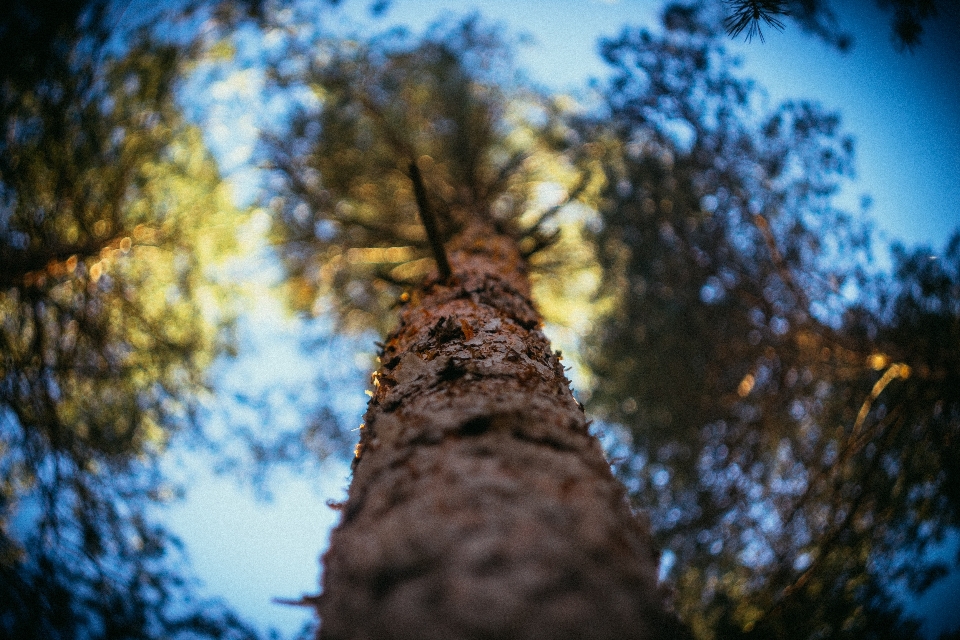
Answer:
(112, 217)
(791, 423)
(108, 222)
(346, 219)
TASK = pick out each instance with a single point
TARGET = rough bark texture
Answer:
(480, 506)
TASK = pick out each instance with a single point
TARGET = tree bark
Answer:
(480, 505)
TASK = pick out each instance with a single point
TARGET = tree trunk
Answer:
(480, 505)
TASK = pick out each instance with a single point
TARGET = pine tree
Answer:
(481, 505)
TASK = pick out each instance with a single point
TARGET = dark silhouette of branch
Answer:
(507, 171)
(396, 141)
(540, 242)
(746, 16)
(389, 278)
(777, 258)
(536, 229)
(429, 222)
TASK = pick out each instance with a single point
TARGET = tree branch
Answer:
(429, 222)
(546, 216)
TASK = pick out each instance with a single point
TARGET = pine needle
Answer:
(746, 16)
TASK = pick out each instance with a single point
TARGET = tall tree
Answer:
(480, 503)
(790, 420)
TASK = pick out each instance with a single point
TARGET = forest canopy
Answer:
(113, 218)
(789, 422)
(786, 413)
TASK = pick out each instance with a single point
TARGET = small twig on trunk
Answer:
(429, 222)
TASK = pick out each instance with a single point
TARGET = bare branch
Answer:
(429, 222)
(534, 229)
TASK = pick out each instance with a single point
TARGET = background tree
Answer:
(791, 421)
(112, 215)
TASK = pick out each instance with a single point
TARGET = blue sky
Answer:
(903, 110)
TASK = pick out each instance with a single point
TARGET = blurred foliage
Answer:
(112, 220)
(789, 416)
(35, 36)
(347, 228)
(791, 420)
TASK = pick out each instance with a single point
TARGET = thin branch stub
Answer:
(429, 223)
